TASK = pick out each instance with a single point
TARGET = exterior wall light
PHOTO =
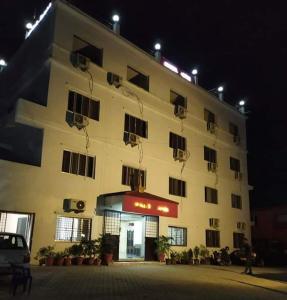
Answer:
(28, 25)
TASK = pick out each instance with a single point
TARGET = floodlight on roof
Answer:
(242, 102)
(220, 89)
(194, 72)
(116, 18)
(157, 46)
(29, 25)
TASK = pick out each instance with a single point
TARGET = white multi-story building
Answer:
(86, 116)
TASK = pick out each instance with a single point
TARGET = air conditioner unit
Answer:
(236, 139)
(179, 155)
(74, 205)
(238, 175)
(214, 223)
(211, 127)
(80, 61)
(114, 79)
(180, 111)
(132, 139)
(211, 166)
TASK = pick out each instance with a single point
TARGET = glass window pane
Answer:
(66, 161)
(75, 163)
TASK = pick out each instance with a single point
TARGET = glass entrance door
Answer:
(132, 237)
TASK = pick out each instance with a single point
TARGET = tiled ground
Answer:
(152, 281)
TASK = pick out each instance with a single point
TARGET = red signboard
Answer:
(154, 207)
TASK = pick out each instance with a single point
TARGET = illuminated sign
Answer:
(39, 20)
(185, 76)
(170, 67)
(163, 209)
(142, 205)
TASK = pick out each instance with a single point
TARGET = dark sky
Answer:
(242, 44)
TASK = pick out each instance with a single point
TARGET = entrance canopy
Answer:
(136, 202)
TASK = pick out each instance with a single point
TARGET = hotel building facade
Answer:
(97, 136)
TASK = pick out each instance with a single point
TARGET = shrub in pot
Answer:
(89, 250)
(190, 256)
(106, 249)
(45, 255)
(67, 257)
(163, 247)
(77, 251)
(173, 257)
(59, 258)
(184, 257)
(204, 253)
(196, 255)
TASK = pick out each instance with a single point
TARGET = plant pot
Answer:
(42, 261)
(108, 258)
(173, 261)
(90, 261)
(79, 260)
(168, 261)
(161, 257)
(67, 261)
(59, 261)
(97, 261)
(49, 261)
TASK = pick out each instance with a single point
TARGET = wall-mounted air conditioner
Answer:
(114, 79)
(213, 222)
(78, 120)
(132, 139)
(180, 111)
(80, 61)
(211, 127)
(211, 166)
(74, 205)
(179, 155)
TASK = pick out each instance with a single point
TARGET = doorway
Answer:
(132, 237)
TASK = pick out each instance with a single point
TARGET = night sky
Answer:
(241, 44)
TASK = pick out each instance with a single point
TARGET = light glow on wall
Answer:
(170, 67)
(39, 20)
(185, 76)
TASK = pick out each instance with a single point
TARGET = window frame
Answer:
(234, 164)
(209, 116)
(177, 187)
(179, 100)
(212, 194)
(146, 77)
(183, 236)
(210, 155)
(237, 240)
(236, 201)
(214, 242)
(128, 171)
(177, 141)
(140, 127)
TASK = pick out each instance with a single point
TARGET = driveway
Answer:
(152, 281)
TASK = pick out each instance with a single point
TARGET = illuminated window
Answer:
(178, 236)
(138, 78)
(209, 154)
(212, 238)
(237, 239)
(78, 164)
(72, 229)
(135, 125)
(236, 201)
(177, 141)
(234, 164)
(177, 187)
(85, 106)
(211, 195)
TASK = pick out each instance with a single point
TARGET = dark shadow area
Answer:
(273, 276)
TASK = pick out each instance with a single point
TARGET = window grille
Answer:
(72, 229)
(112, 222)
(151, 227)
(178, 235)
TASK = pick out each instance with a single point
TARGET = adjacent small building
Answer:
(97, 136)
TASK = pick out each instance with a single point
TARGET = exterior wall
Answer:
(43, 189)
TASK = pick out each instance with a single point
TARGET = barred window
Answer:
(178, 236)
(78, 164)
(72, 229)
(236, 201)
(177, 187)
(135, 125)
(177, 141)
(83, 105)
(212, 238)
(209, 154)
(211, 195)
(133, 177)
(237, 239)
(234, 164)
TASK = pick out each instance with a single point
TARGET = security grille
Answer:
(151, 226)
(112, 222)
(3, 220)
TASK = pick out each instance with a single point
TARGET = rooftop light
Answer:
(242, 102)
(170, 66)
(116, 18)
(157, 46)
(220, 89)
(3, 63)
(29, 25)
(194, 72)
(185, 76)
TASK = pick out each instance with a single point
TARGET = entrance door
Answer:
(151, 235)
(132, 237)
(20, 223)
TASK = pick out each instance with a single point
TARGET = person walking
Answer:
(248, 256)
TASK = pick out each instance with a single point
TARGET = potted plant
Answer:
(97, 260)
(77, 251)
(45, 255)
(106, 249)
(59, 258)
(190, 256)
(173, 257)
(89, 250)
(196, 254)
(204, 253)
(163, 247)
(184, 257)
(67, 257)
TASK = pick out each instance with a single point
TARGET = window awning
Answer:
(141, 203)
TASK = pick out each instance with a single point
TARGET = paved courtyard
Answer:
(152, 281)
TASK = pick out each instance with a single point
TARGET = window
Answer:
(209, 116)
(236, 201)
(133, 177)
(212, 238)
(72, 229)
(135, 125)
(78, 164)
(177, 187)
(211, 195)
(233, 129)
(85, 106)
(138, 78)
(177, 99)
(177, 141)
(234, 164)
(237, 239)
(209, 154)
(178, 235)
(93, 53)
